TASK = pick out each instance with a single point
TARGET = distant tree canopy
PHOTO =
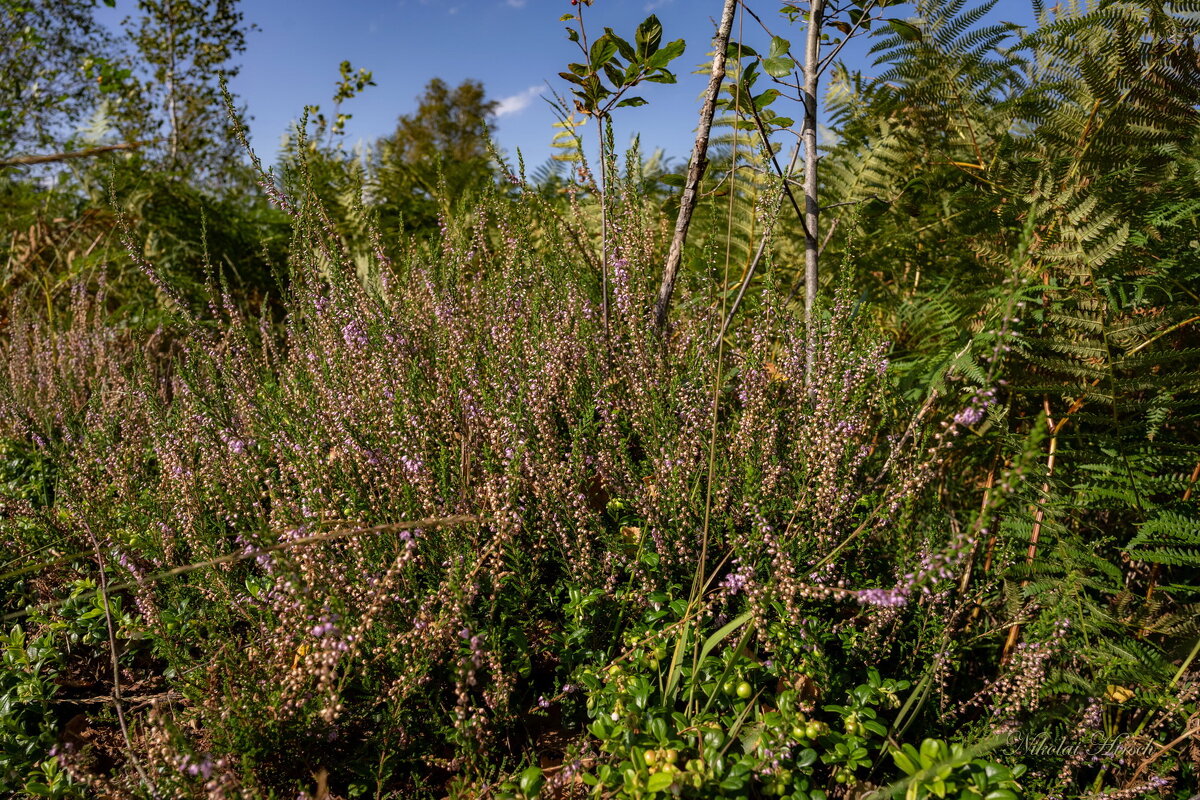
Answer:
(52, 69)
(186, 46)
(437, 155)
(448, 123)
(59, 65)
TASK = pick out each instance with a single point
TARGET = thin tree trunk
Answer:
(812, 208)
(696, 167)
(171, 104)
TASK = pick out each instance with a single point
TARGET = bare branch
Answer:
(50, 158)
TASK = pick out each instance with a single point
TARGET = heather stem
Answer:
(102, 581)
(603, 228)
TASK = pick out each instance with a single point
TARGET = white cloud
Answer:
(515, 3)
(515, 104)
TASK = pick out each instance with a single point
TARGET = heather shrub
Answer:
(410, 476)
(435, 533)
(471, 388)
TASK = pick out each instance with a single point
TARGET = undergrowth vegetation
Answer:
(357, 514)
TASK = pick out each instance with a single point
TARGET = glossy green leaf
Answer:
(658, 729)
(749, 75)
(623, 47)
(766, 98)
(1001, 794)
(648, 37)
(666, 55)
(859, 18)
(615, 76)
(778, 67)
(732, 784)
(905, 760)
(603, 50)
(659, 782)
(531, 781)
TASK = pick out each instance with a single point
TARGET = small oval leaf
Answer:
(778, 67)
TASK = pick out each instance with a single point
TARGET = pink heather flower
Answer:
(354, 335)
(736, 581)
(884, 598)
(975, 411)
(968, 416)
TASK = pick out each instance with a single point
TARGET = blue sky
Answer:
(515, 47)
